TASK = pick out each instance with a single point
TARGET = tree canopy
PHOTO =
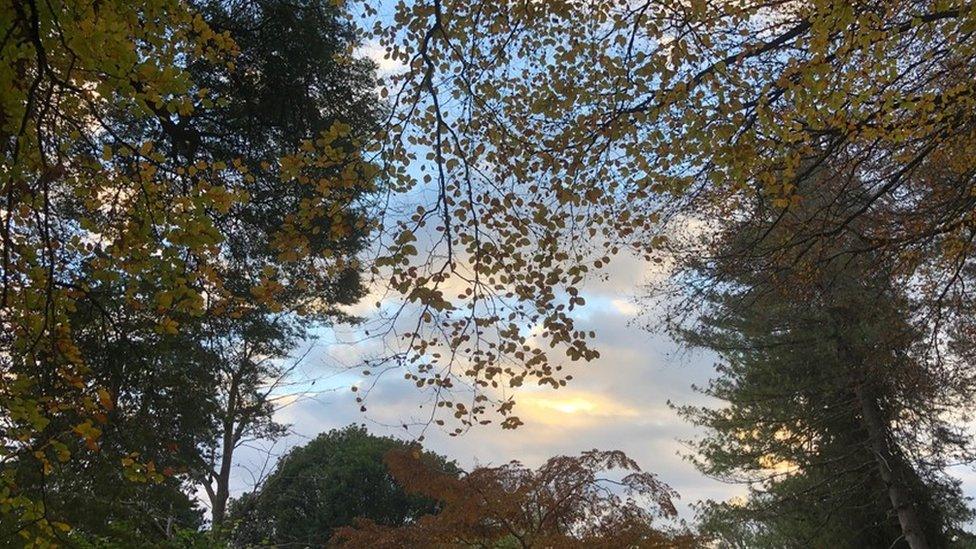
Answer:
(164, 188)
(554, 135)
(321, 486)
(830, 412)
(570, 501)
(294, 81)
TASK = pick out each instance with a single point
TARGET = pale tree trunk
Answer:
(890, 467)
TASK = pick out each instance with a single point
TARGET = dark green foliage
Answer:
(160, 388)
(827, 383)
(294, 78)
(122, 539)
(339, 476)
(792, 423)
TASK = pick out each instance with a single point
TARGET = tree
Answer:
(134, 202)
(559, 134)
(293, 82)
(249, 372)
(159, 402)
(316, 488)
(552, 136)
(570, 501)
(76, 215)
(834, 450)
(836, 411)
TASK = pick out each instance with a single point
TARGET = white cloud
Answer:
(384, 65)
(616, 402)
(625, 307)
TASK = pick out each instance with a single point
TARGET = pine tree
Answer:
(835, 411)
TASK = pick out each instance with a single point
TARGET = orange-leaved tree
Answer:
(596, 499)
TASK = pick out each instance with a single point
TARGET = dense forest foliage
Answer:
(191, 190)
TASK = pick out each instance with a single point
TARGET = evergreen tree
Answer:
(836, 411)
(797, 423)
(294, 81)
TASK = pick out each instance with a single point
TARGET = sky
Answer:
(619, 401)
(616, 402)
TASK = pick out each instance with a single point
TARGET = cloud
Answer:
(619, 401)
(624, 307)
(569, 408)
(384, 65)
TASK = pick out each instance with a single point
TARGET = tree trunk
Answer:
(221, 493)
(889, 467)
